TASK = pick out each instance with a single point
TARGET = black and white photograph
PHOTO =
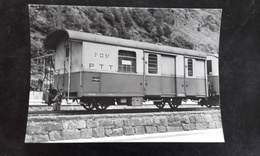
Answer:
(124, 74)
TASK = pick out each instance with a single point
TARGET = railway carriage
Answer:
(101, 71)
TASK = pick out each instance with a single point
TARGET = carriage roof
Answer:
(54, 37)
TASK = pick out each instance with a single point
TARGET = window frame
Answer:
(190, 67)
(67, 49)
(209, 66)
(151, 63)
(123, 68)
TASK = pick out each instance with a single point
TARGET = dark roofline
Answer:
(54, 37)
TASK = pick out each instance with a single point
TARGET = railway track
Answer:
(79, 110)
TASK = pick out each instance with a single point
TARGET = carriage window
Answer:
(67, 51)
(126, 61)
(152, 64)
(209, 67)
(190, 67)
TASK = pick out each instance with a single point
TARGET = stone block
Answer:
(163, 121)
(148, 121)
(128, 130)
(108, 132)
(36, 128)
(156, 121)
(182, 119)
(185, 119)
(40, 138)
(65, 124)
(171, 119)
(211, 125)
(99, 132)
(118, 123)
(53, 126)
(139, 130)
(208, 118)
(150, 129)
(105, 122)
(86, 133)
(199, 118)
(218, 124)
(161, 129)
(136, 122)
(192, 119)
(77, 124)
(219, 117)
(91, 124)
(28, 139)
(117, 132)
(70, 134)
(186, 127)
(215, 117)
(160, 121)
(175, 124)
(201, 126)
(54, 135)
(174, 129)
(177, 118)
(193, 126)
(127, 122)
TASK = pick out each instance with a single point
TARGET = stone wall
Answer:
(51, 128)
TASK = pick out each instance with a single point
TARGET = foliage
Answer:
(187, 28)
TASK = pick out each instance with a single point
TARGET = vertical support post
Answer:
(69, 71)
(206, 79)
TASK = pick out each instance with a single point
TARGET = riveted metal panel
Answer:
(153, 85)
(214, 80)
(180, 86)
(89, 82)
(168, 86)
(201, 87)
(121, 83)
(191, 86)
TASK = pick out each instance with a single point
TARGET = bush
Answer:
(167, 30)
(100, 24)
(158, 15)
(127, 18)
(108, 16)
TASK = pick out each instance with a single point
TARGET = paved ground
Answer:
(211, 135)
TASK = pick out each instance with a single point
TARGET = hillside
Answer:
(187, 28)
(196, 29)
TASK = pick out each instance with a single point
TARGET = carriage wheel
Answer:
(174, 103)
(209, 106)
(87, 104)
(160, 105)
(100, 104)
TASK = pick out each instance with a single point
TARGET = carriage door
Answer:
(152, 72)
(190, 77)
